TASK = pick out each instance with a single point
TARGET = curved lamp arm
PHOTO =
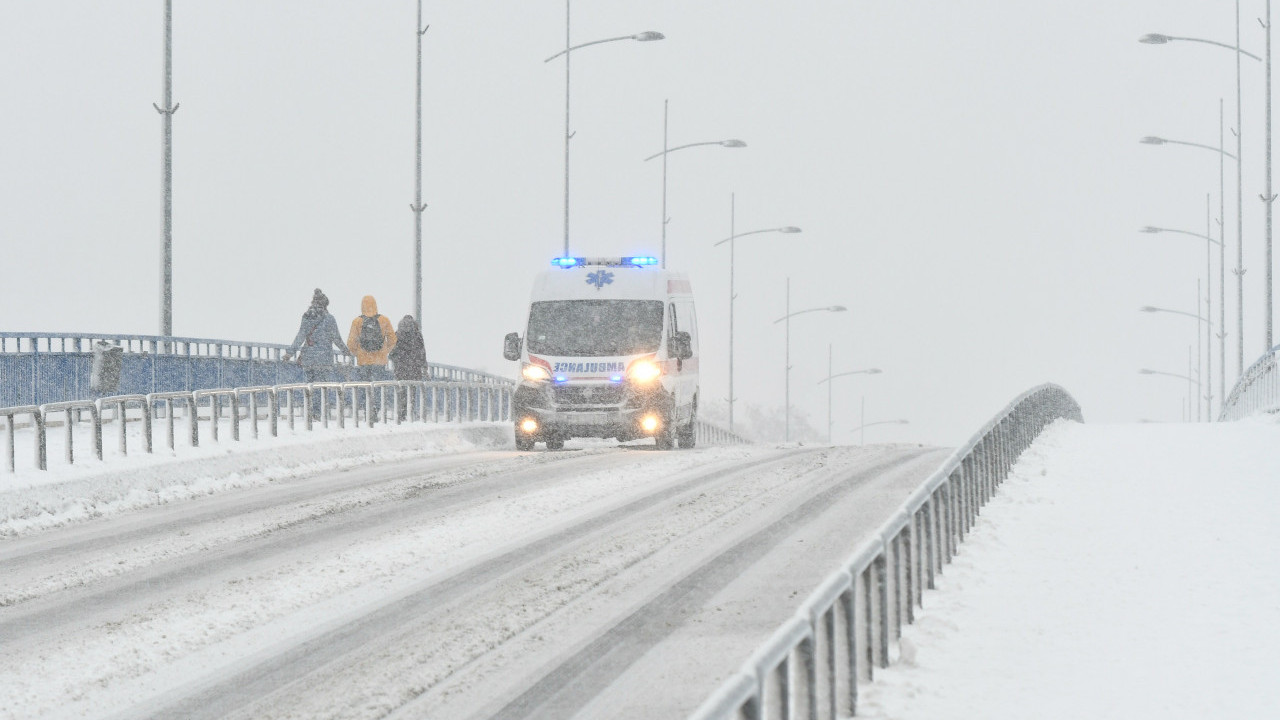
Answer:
(1149, 309)
(642, 37)
(1154, 140)
(786, 229)
(1158, 39)
(1151, 230)
(829, 308)
(869, 371)
(731, 143)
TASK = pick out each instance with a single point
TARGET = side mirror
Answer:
(682, 345)
(511, 346)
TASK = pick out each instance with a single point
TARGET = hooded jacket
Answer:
(369, 308)
(410, 353)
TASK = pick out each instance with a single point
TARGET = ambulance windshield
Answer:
(595, 328)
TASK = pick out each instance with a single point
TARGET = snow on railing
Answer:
(423, 401)
(1257, 391)
(811, 666)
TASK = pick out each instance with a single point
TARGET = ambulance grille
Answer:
(589, 394)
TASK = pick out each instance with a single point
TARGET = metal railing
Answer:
(707, 434)
(260, 406)
(1257, 391)
(39, 368)
(811, 667)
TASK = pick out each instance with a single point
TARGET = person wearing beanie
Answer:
(317, 340)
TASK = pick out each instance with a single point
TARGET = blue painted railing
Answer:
(38, 368)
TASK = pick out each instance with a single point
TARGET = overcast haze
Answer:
(967, 175)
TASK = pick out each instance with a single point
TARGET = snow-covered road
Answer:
(600, 582)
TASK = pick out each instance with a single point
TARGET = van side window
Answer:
(691, 324)
(675, 321)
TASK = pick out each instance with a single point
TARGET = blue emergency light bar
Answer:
(633, 260)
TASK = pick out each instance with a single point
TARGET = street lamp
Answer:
(1268, 198)
(861, 429)
(1208, 303)
(786, 230)
(1192, 383)
(787, 319)
(731, 143)
(1222, 245)
(646, 36)
(166, 178)
(1200, 371)
(830, 377)
(418, 206)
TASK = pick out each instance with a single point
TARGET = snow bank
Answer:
(1122, 571)
(34, 500)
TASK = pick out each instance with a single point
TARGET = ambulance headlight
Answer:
(644, 371)
(535, 373)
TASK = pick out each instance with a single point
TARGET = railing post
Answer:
(806, 693)
(880, 565)
(213, 415)
(846, 631)
(148, 442)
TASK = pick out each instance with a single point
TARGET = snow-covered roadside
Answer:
(34, 500)
(1122, 571)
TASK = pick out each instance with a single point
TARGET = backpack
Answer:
(371, 337)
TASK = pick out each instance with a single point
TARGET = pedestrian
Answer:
(408, 358)
(315, 344)
(371, 340)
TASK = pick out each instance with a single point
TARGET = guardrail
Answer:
(706, 433)
(400, 402)
(40, 368)
(1257, 390)
(811, 667)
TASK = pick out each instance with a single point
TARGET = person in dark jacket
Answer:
(408, 357)
(317, 340)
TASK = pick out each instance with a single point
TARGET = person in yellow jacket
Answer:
(370, 340)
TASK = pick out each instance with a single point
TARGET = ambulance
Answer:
(610, 350)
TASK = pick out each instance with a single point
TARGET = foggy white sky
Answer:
(967, 175)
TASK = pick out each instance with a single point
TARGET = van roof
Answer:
(609, 282)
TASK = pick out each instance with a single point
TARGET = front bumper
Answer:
(622, 420)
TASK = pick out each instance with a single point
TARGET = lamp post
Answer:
(830, 377)
(862, 429)
(787, 230)
(1221, 242)
(787, 318)
(1200, 371)
(666, 150)
(417, 207)
(647, 36)
(166, 178)
(1159, 39)
(1208, 303)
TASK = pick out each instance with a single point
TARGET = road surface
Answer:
(598, 582)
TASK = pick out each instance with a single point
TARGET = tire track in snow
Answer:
(242, 687)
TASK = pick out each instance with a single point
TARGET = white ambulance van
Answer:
(610, 350)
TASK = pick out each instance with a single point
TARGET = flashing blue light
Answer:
(615, 378)
(566, 262)
(562, 378)
(640, 260)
